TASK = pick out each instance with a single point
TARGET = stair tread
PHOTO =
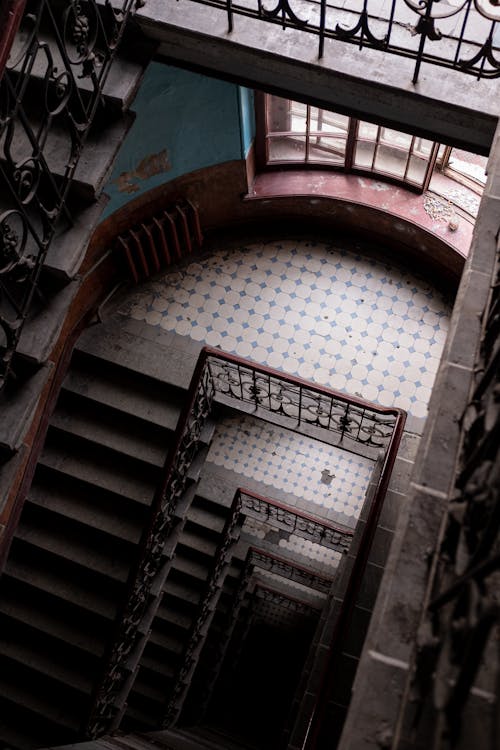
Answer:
(44, 663)
(118, 341)
(94, 468)
(84, 503)
(143, 398)
(43, 620)
(40, 703)
(113, 430)
(62, 586)
(63, 543)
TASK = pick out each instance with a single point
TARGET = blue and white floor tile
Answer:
(325, 558)
(328, 478)
(326, 314)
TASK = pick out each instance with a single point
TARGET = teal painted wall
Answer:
(184, 121)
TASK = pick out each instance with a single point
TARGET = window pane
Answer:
(416, 170)
(327, 148)
(390, 161)
(287, 148)
(364, 154)
(468, 164)
(422, 147)
(278, 114)
(395, 137)
(367, 130)
(323, 121)
(299, 117)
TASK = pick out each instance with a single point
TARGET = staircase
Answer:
(77, 541)
(77, 538)
(50, 133)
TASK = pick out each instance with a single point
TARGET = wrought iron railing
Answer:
(52, 83)
(230, 536)
(300, 405)
(277, 515)
(459, 636)
(288, 602)
(461, 34)
(240, 382)
(292, 571)
(261, 560)
(295, 521)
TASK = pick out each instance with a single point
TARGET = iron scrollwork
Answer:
(302, 405)
(105, 707)
(45, 99)
(449, 34)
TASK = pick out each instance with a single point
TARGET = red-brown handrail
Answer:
(10, 18)
(296, 512)
(353, 587)
(148, 563)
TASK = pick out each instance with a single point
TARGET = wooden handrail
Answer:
(11, 13)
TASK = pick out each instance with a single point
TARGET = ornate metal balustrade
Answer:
(230, 536)
(295, 522)
(459, 637)
(459, 34)
(298, 404)
(242, 382)
(260, 559)
(279, 599)
(53, 82)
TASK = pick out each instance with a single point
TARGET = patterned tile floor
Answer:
(327, 477)
(311, 309)
(315, 310)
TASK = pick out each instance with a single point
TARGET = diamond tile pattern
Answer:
(327, 478)
(312, 309)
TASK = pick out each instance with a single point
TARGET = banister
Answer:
(148, 565)
(353, 587)
(10, 18)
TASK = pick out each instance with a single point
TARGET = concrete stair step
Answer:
(43, 698)
(119, 89)
(88, 505)
(113, 429)
(202, 515)
(190, 568)
(69, 245)
(68, 540)
(100, 467)
(44, 656)
(201, 540)
(123, 390)
(170, 614)
(158, 666)
(25, 729)
(123, 341)
(44, 324)
(56, 618)
(166, 640)
(18, 403)
(60, 581)
(96, 159)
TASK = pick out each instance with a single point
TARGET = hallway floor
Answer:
(320, 311)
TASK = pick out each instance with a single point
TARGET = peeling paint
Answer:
(151, 165)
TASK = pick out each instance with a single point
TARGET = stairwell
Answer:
(77, 540)
(72, 553)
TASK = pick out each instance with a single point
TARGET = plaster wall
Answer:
(184, 121)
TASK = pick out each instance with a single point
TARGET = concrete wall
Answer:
(184, 121)
(382, 711)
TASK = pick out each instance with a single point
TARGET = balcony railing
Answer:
(52, 82)
(275, 394)
(278, 516)
(459, 34)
